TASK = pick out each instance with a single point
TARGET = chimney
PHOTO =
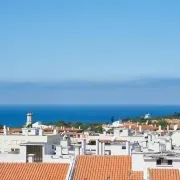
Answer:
(130, 126)
(83, 146)
(55, 131)
(103, 148)
(97, 146)
(79, 127)
(59, 150)
(8, 130)
(31, 158)
(137, 124)
(77, 150)
(140, 128)
(144, 144)
(159, 127)
(168, 127)
(72, 128)
(40, 132)
(135, 133)
(175, 127)
(149, 137)
(128, 147)
(5, 130)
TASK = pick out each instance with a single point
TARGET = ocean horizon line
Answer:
(89, 104)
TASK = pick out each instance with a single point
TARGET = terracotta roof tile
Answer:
(103, 168)
(137, 175)
(33, 171)
(164, 174)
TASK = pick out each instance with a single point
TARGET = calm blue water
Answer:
(16, 115)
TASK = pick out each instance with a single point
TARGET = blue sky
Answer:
(81, 42)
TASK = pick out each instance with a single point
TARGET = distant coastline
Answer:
(15, 115)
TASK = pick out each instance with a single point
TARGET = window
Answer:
(158, 162)
(163, 162)
(37, 150)
(54, 147)
(123, 147)
(169, 162)
(121, 130)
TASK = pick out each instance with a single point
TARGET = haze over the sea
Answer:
(89, 52)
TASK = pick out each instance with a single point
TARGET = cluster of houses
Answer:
(131, 152)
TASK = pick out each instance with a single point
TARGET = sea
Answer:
(15, 115)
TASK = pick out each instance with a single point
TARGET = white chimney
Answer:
(159, 127)
(83, 146)
(128, 147)
(175, 127)
(169, 144)
(55, 132)
(149, 138)
(31, 158)
(144, 144)
(59, 150)
(135, 133)
(97, 146)
(103, 148)
(40, 132)
(168, 127)
(72, 128)
(130, 126)
(140, 128)
(137, 124)
(100, 148)
(79, 127)
(5, 130)
(77, 150)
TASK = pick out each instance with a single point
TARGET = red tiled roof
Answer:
(33, 171)
(104, 167)
(137, 175)
(149, 127)
(12, 130)
(15, 130)
(172, 121)
(164, 174)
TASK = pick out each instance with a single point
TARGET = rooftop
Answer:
(105, 167)
(164, 174)
(33, 171)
